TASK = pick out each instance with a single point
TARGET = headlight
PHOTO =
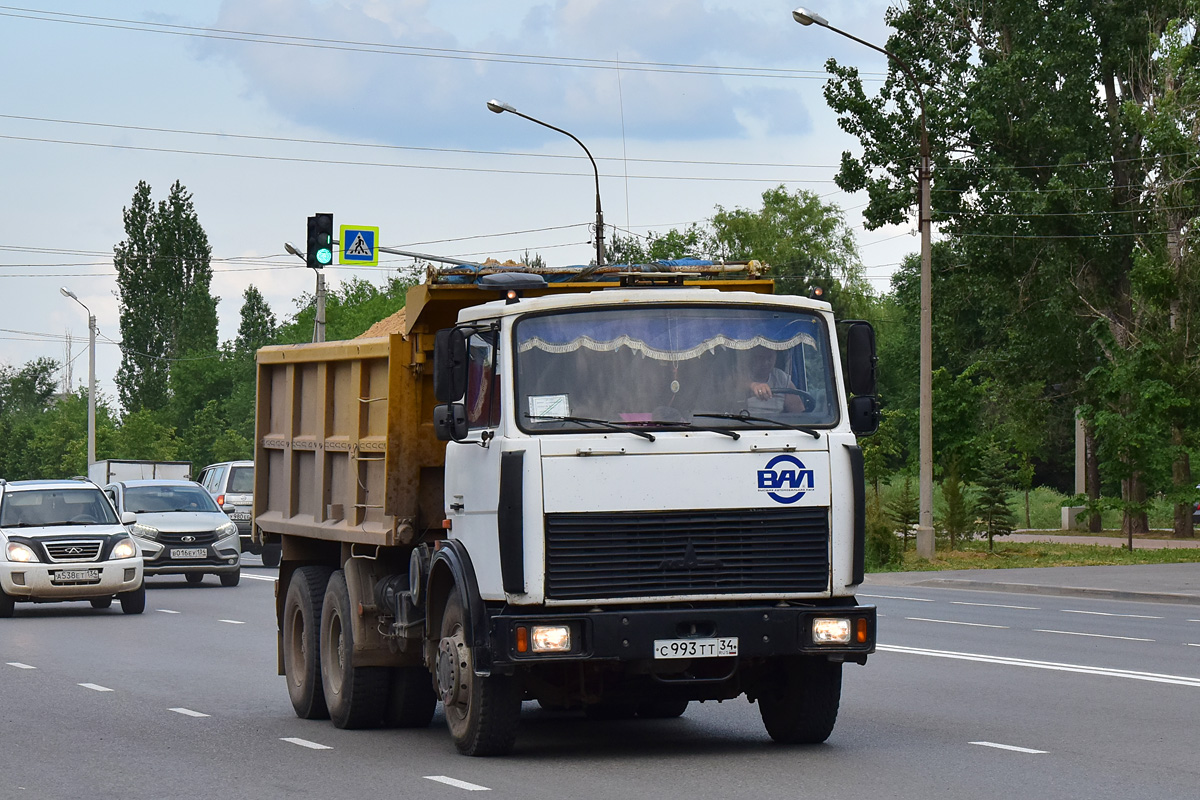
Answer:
(228, 529)
(125, 548)
(551, 639)
(831, 631)
(22, 553)
(145, 531)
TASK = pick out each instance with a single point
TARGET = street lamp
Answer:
(319, 316)
(925, 519)
(91, 442)
(499, 108)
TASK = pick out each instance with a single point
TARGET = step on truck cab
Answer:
(612, 493)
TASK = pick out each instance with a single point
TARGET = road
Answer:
(973, 694)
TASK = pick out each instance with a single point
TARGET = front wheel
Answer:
(481, 712)
(101, 602)
(133, 602)
(193, 577)
(800, 701)
(355, 696)
(302, 642)
(7, 604)
(231, 578)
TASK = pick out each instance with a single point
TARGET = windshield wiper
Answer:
(586, 420)
(685, 424)
(746, 417)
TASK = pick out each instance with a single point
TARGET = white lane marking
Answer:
(167, 611)
(187, 712)
(1153, 677)
(305, 743)
(1107, 614)
(1189, 644)
(19, 665)
(953, 622)
(1011, 747)
(893, 597)
(1094, 635)
(95, 687)
(246, 577)
(993, 605)
(232, 621)
(470, 787)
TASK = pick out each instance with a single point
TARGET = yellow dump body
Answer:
(345, 448)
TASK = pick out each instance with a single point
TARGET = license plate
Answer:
(72, 575)
(696, 648)
(190, 552)
(240, 516)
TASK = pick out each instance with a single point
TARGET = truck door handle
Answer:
(457, 506)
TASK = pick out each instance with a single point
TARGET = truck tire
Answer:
(271, 554)
(355, 696)
(800, 704)
(412, 700)
(662, 709)
(302, 641)
(481, 712)
(133, 602)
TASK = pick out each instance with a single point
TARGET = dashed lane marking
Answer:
(232, 621)
(257, 577)
(993, 605)
(1011, 747)
(1153, 677)
(470, 787)
(1094, 635)
(893, 597)
(305, 743)
(1107, 614)
(954, 622)
(167, 611)
(19, 665)
(95, 687)
(187, 712)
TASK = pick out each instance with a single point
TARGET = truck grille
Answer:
(65, 551)
(648, 554)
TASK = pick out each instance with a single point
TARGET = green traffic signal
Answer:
(324, 255)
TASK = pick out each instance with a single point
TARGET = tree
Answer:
(904, 510)
(166, 309)
(956, 523)
(992, 506)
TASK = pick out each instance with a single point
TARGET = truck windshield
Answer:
(665, 366)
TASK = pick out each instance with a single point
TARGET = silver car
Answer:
(232, 484)
(180, 529)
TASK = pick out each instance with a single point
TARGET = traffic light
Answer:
(320, 241)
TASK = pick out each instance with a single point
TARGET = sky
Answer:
(268, 111)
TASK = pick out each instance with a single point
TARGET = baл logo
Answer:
(788, 474)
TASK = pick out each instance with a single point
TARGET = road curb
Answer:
(1060, 591)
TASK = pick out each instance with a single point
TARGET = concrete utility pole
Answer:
(925, 543)
(319, 317)
(91, 434)
(499, 108)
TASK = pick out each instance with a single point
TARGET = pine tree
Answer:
(957, 520)
(904, 510)
(992, 506)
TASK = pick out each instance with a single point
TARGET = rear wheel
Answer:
(481, 712)
(193, 577)
(412, 701)
(101, 602)
(133, 602)
(355, 696)
(800, 705)
(231, 578)
(301, 641)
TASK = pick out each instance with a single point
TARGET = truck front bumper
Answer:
(630, 635)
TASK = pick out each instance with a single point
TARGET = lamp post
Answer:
(91, 435)
(499, 108)
(925, 442)
(319, 315)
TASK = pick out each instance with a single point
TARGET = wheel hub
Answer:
(452, 669)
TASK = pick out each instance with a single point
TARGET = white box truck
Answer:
(110, 470)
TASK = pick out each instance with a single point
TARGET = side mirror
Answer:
(860, 358)
(864, 414)
(128, 518)
(450, 422)
(449, 365)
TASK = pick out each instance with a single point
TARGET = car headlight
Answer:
(145, 531)
(21, 553)
(228, 529)
(125, 548)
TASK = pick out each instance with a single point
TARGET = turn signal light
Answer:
(522, 639)
(860, 631)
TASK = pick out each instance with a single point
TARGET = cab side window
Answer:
(483, 381)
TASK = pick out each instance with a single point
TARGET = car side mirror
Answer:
(449, 365)
(864, 414)
(450, 422)
(128, 517)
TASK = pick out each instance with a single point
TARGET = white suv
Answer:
(62, 540)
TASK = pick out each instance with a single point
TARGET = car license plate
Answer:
(696, 648)
(190, 552)
(240, 516)
(72, 575)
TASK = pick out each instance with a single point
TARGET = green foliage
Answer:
(350, 309)
(143, 435)
(904, 511)
(956, 523)
(883, 549)
(991, 508)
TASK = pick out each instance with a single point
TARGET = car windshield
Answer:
(747, 366)
(241, 480)
(150, 499)
(44, 507)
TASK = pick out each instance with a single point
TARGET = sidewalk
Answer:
(1139, 543)
(1156, 583)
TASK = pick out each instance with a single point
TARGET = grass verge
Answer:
(1008, 555)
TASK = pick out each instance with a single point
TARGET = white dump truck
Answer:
(612, 493)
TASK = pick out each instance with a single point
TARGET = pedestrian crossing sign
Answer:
(360, 246)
